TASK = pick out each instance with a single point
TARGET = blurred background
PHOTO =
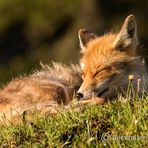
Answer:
(46, 30)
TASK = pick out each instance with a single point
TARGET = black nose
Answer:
(79, 95)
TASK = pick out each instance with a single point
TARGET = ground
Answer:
(114, 124)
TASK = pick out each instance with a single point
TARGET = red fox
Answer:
(108, 60)
(106, 63)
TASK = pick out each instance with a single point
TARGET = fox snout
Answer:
(85, 93)
(79, 95)
(93, 92)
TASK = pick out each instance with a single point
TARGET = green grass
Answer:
(109, 125)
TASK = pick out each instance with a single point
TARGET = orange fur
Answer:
(108, 60)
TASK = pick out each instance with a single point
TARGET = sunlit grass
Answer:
(111, 124)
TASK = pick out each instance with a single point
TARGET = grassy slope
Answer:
(83, 129)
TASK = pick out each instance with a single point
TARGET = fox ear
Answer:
(128, 34)
(84, 37)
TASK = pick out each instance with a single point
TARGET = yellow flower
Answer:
(131, 77)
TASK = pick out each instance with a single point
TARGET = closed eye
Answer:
(101, 71)
(96, 73)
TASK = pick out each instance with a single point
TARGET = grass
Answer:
(115, 124)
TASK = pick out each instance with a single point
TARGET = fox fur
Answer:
(43, 90)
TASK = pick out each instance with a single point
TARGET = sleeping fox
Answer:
(106, 63)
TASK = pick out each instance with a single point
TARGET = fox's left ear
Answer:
(128, 34)
(84, 37)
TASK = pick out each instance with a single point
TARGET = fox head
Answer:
(108, 60)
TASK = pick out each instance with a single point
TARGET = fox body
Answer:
(107, 62)
(43, 90)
